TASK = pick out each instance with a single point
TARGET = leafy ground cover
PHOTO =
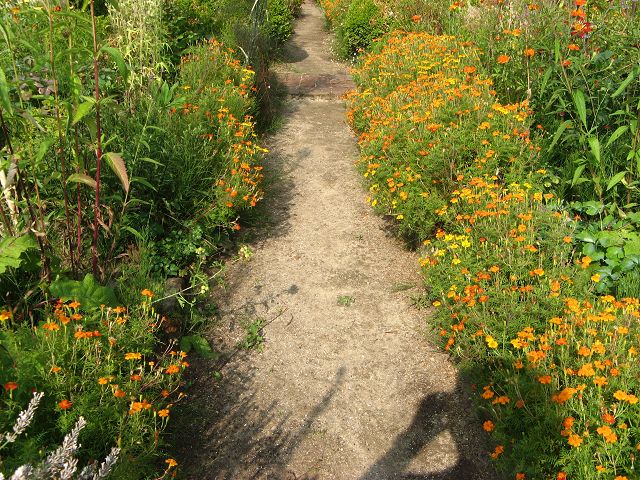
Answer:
(518, 298)
(128, 154)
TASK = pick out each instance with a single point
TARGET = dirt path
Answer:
(347, 386)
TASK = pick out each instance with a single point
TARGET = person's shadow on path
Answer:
(437, 413)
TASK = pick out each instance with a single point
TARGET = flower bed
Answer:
(555, 365)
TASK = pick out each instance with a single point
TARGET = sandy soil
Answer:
(347, 385)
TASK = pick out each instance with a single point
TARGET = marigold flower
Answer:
(499, 450)
(171, 369)
(119, 393)
(488, 426)
(573, 47)
(502, 59)
(146, 293)
(575, 440)
(171, 462)
(545, 379)
(10, 386)
(132, 356)
(65, 404)
(529, 52)
(5, 315)
(163, 413)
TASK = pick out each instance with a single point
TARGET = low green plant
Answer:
(253, 337)
(98, 362)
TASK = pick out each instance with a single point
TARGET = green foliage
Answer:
(13, 251)
(253, 337)
(99, 363)
(362, 23)
(88, 292)
(279, 23)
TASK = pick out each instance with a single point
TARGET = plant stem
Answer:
(96, 208)
(60, 149)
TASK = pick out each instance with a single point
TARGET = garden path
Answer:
(347, 386)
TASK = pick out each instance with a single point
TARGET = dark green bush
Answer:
(362, 23)
(279, 21)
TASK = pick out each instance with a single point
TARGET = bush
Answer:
(361, 24)
(279, 21)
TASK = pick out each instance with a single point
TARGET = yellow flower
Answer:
(491, 343)
(132, 356)
(171, 462)
(5, 315)
(596, 277)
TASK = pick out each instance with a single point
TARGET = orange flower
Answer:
(469, 69)
(171, 369)
(502, 59)
(488, 426)
(163, 413)
(575, 440)
(119, 393)
(52, 326)
(65, 404)
(497, 452)
(520, 476)
(56, 369)
(10, 386)
(132, 356)
(529, 52)
(573, 47)
(545, 380)
(136, 377)
(561, 476)
(416, 18)
(608, 434)
(146, 293)
(566, 63)
(171, 462)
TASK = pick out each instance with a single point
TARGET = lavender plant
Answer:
(60, 464)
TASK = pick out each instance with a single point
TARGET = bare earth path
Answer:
(347, 386)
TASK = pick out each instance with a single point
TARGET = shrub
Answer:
(362, 22)
(279, 21)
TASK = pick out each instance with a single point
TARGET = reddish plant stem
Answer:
(60, 149)
(96, 207)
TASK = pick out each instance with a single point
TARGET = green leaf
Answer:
(116, 163)
(617, 134)
(12, 248)
(82, 111)
(198, 344)
(617, 178)
(88, 292)
(625, 83)
(577, 173)
(556, 136)
(43, 148)
(117, 57)
(82, 178)
(5, 101)
(545, 80)
(133, 231)
(594, 145)
(581, 107)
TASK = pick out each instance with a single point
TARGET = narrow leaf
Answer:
(625, 83)
(594, 144)
(577, 173)
(82, 178)
(581, 106)
(118, 59)
(82, 111)
(556, 136)
(5, 101)
(617, 134)
(616, 179)
(116, 163)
